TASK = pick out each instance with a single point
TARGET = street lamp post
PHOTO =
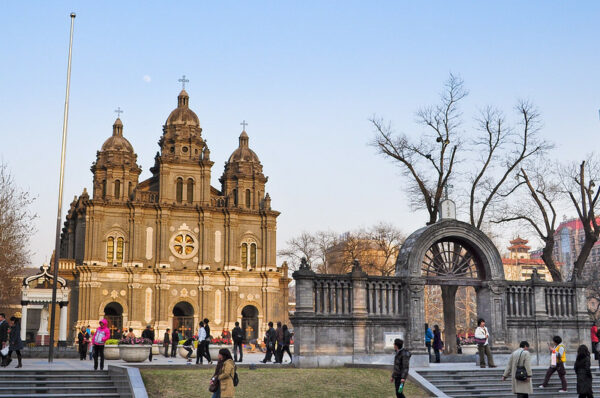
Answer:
(60, 195)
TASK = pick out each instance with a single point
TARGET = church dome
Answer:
(117, 142)
(243, 153)
(183, 115)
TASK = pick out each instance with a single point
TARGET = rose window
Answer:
(450, 259)
(183, 245)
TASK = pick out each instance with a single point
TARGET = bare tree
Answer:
(538, 210)
(579, 184)
(16, 229)
(303, 245)
(427, 163)
(324, 240)
(504, 148)
(387, 240)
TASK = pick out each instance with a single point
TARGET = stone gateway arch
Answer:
(354, 317)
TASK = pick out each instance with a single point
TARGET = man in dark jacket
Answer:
(148, 333)
(174, 343)
(238, 336)
(270, 340)
(279, 337)
(167, 342)
(3, 337)
(401, 363)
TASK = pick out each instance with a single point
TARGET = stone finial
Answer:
(356, 266)
(304, 264)
(535, 276)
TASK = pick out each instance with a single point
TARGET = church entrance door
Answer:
(183, 319)
(113, 312)
(250, 322)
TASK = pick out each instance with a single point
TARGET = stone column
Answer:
(303, 318)
(359, 309)
(491, 307)
(62, 329)
(304, 289)
(24, 306)
(415, 304)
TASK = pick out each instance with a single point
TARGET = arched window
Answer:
(190, 190)
(253, 255)
(179, 190)
(117, 189)
(244, 261)
(248, 197)
(103, 189)
(110, 249)
(235, 199)
(120, 242)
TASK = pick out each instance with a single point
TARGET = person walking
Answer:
(207, 340)
(98, 339)
(3, 338)
(428, 338)
(558, 357)
(279, 340)
(238, 337)
(15, 344)
(583, 372)
(167, 342)
(287, 340)
(83, 340)
(401, 365)
(148, 333)
(270, 340)
(482, 338)
(595, 335)
(200, 348)
(519, 359)
(438, 344)
(224, 374)
(174, 343)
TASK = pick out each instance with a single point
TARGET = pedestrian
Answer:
(279, 339)
(428, 338)
(130, 334)
(238, 337)
(224, 375)
(174, 343)
(167, 342)
(558, 357)
(287, 340)
(270, 339)
(200, 349)
(207, 341)
(3, 338)
(188, 345)
(583, 372)
(595, 334)
(438, 344)
(83, 340)
(14, 341)
(482, 338)
(148, 333)
(401, 365)
(520, 359)
(98, 339)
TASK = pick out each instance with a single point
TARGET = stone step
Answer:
(53, 383)
(52, 395)
(62, 389)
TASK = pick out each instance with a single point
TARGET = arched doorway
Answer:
(183, 318)
(113, 312)
(250, 322)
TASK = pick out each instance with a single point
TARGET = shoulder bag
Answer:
(520, 371)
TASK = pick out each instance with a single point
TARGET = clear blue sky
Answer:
(305, 75)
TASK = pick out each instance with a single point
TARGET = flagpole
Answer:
(60, 195)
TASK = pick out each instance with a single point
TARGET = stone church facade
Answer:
(171, 250)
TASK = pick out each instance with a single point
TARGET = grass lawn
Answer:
(275, 383)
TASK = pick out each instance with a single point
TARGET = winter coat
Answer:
(437, 341)
(101, 334)
(401, 364)
(237, 334)
(287, 337)
(14, 339)
(226, 379)
(584, 375)
(428, 335)
(148, 334)
(3, 331)
(167, 339)
(518, 386)
(175, 337)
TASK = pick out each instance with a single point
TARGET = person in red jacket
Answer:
(98, 339)
(594, 335)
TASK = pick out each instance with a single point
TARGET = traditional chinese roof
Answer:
(43, 278)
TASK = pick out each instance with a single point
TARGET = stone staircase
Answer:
(488, 383)
(56, 383)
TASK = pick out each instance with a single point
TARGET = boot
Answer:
(20, 365)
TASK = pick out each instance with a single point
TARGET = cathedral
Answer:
(172, 250)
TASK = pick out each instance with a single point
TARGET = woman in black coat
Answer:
(584, 374)
(14, 340)
(83, 339)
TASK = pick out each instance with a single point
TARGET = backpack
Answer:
(236, 379)
(520, 371)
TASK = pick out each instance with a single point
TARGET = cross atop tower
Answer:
(183, 81)
(118, 111)
(243, 124)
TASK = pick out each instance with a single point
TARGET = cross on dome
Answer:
(183, 81)
(243, 124)
(118, 111)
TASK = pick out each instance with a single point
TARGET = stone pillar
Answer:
(415, 307)
(359, 309)
(62, 329)
(303, 318)
(304, 289)
(24, 306)
(583, 322)
(491, 306)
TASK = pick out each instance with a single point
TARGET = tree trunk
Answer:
(549, 259)
(449, 299)
(588, 244)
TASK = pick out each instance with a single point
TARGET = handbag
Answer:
(479, 341)
(520, 371)
(4, 351)
(214, 385)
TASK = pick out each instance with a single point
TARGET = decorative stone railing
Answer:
(146, 196)
(384, 296)
(333, 295)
